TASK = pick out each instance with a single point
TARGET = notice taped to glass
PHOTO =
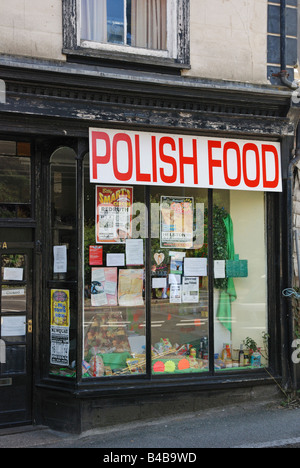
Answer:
(176, 222)
(113, 214)
(60, 345)
(60, 325)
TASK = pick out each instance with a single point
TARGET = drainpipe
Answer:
(283, 74)
(290, 291)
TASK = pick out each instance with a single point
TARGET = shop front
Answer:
(141, 264)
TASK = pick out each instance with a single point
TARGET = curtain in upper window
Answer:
(149, 24)
(137, 23)
(94, 20)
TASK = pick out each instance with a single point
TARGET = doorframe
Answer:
(27, 249)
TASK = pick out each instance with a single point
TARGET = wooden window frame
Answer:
(73, 47)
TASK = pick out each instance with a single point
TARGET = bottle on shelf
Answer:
(241, 357)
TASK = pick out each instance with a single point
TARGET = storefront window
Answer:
(179, 305)
(15, 183)
(63, 214)
(116, 237)
(240, 284)
(114, 274)
(63, 293)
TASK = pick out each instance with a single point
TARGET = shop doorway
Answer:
(16, 326)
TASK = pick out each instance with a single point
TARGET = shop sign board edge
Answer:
(163, 159)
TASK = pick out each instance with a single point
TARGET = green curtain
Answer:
(228, 295)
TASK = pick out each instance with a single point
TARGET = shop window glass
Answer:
(63, 272)
(114, 294)
(15, 360)
(13, 268)
(13, 298)
(180, 300)
(63, 214)
(240, 294)
(15, 180)
(183, 267)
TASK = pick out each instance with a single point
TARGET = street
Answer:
(241, 426)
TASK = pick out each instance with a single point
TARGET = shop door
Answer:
(16, 327)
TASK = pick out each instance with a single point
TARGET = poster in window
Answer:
(131, 288)
(176, 222)
(60, 308)
(104, 290)
(95, 255)
(59, 330)
(113, 214)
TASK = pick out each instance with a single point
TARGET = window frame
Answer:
(177, 55)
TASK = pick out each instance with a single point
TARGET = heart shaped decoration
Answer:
(159, 258)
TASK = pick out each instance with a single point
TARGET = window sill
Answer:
(130, 60)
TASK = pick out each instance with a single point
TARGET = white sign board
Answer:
(144, 158)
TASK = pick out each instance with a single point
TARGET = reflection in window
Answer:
(13, 299)
(15, 180)
(63, 299)
(180, 300)
(13, 268)
(63, 210)
(114, 295)
(15, 360)
(241, 318)
(137, 23)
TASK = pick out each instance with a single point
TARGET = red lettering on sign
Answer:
(270, 183)
(100, 159)
(228, 180)
(168, 160)
(193, 160)
(213, 162)
(124, 177)
(139, 176)
(154, 159)
(251, 183)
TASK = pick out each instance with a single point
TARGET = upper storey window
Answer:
(135, 23)
(151, 32)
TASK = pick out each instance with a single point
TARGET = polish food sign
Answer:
(144, 158)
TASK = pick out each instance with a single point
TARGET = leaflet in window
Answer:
(177, 222)
(113, 214)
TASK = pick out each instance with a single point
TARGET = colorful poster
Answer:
(60, 308)
(131, 283)
(60, 324)
(104, 287)
(176, 222)
(96, 255)
(113, 214)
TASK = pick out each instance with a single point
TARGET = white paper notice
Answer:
(13, 326)
(115, 260)
(98, 274)
(60, 259)
(174, 279)
(195, 266)
(134, 252)
(177, 254)
(175, 294)
(220, 269)
(110, 288)
(190, 290)
(159, 283)
(13, 274)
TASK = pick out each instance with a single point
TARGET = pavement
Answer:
(254, 425)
